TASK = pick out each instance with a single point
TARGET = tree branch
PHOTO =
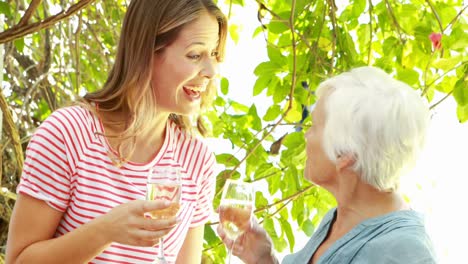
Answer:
(331, 5)
(455, 18)
(441, 100)
(17, 32)
(434, 11)
(369, 54)
(395, 21)
(286, 22)
(291, 98)
(12, 130)
(29, 12)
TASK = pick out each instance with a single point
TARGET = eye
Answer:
(194, 56)
(215, 53)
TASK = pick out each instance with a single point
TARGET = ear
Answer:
(344, 162)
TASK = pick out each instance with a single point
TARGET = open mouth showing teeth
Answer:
(194, 91)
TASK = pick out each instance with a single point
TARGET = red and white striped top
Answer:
(67, 166)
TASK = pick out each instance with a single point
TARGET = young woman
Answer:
(82, 193)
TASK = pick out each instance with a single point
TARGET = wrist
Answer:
(100, 228)
(267, 258)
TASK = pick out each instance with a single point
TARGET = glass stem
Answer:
(230, 251)
(161, 249)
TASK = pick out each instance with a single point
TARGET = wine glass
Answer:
(235, 209)
(164, 184)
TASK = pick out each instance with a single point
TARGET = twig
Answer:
(17, 32)
(426, 86)
(277, 211)
(335, 35)
(286, 22)
(266, 176)
(395, 21)
(446, 72)
(455, 18)
(369, 54)
(434, 11)
(291, 197)
(12, 130)
(291, 98)
(29, 12)
(441, 100)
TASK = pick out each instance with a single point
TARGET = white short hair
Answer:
(382, 122)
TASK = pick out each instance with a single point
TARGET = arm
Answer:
(32, 226)
(34, 223)
(191, 251)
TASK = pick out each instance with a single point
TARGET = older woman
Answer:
(367, 131)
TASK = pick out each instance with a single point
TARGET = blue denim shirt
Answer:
(397, 237)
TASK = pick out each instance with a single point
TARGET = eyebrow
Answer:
(199, 43)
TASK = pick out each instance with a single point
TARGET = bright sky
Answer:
(436, 186)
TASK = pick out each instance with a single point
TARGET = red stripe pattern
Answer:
(68, 167)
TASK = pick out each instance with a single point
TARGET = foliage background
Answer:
(56, 50)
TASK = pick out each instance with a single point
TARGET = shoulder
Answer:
(70, 116)
(190, 144)
(405, 242)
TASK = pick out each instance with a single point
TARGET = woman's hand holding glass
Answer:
(127, 224)
(145, 222)
(235, 209)
(164, 184)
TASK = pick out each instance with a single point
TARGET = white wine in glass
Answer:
(164, 184)
(235, 209)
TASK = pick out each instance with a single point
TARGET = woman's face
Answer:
(181, 72)
(319, 169)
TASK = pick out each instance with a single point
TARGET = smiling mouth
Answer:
(194, 91)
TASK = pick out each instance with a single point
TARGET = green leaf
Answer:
(294, 140)
(389, 45)
(358, 7)
(275, 56)
(261, 83)
(224, 86)
(260, 200)
(446, 63)
(238, 107)
(239, 2)
(460, 93)
(19, 44)
(227, 159)
(289, 233)
(269, 227)
(295, 114)
(462, 113)
(408, 76)
(210, 236)
(257, 31)
(266, 68)
(308, 227)
(5, 9)
(277, 27)
(256, 121)
(272, 113)
(234, 32)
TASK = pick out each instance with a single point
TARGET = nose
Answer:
(210, 68)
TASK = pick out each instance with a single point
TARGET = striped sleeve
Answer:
(204, 206)
(46, 171)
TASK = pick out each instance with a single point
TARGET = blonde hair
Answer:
(148, 27)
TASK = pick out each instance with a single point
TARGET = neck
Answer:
(146, 143)
(154, 134)
(358, 201)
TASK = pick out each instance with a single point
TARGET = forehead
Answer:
(203, 30)
(318, 109)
